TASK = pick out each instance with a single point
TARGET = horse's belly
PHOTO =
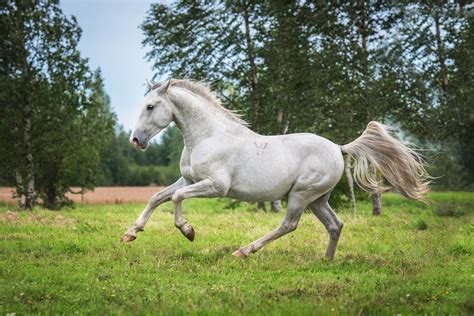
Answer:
(263, 180)
(264, 192)
(246, 193)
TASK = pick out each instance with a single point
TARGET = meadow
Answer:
(414, 259)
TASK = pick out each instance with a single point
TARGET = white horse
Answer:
(224, 158)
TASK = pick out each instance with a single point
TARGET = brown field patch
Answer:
(14, 217)
(101, 195)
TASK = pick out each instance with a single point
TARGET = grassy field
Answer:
(414, 259)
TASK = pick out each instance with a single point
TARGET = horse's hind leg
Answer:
(333, 224)
(290, 222)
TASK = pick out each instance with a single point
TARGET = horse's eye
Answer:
(150, 107)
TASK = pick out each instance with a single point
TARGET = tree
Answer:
(329, 68)
(217, 41)
(71, 150)
(458, 113)
(54, 106)
(434, 57)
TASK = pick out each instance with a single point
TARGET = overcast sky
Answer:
(111, 39)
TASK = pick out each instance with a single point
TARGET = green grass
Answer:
(414, 259)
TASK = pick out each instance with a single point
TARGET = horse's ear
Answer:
(168, 84)
(149, 85)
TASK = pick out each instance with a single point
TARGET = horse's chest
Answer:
(186, 172)
(191, 173)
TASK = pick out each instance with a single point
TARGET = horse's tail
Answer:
(401, 166)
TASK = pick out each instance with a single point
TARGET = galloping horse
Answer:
(222, 157)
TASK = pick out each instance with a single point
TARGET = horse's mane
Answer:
(202, 89)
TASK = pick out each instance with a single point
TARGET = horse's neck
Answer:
(198, 120)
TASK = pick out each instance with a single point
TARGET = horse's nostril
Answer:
(135, 141)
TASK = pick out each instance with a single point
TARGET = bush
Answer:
(449, 209)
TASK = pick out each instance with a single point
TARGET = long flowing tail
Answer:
(401, 166)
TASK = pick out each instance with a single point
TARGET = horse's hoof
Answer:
(128, 238)
(239, 254)
(190, 235)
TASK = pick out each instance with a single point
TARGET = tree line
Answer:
(304, 66)
(123, 165)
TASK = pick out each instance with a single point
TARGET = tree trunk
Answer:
(441, 53)
(363, 30)
(363, 37)
(254, 98)
(20, 192)
(51, 197)
(377, 204)
(376, 198)
(350, 181)
(29, 165)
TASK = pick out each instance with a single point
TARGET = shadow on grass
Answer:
(206, 255)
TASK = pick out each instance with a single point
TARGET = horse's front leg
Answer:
(182, 224)
(204, 188)
(157, 199)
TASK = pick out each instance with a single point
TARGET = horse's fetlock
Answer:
(335, 231)
(179, 224)
(289, 227)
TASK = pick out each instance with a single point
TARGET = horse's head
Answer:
(156, 114)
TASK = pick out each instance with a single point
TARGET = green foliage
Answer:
(384, 265)
(458, 113)
(329, 68)
(71, 150)
(449, 209)
(55, 115)
(158, 164)
(447, 170)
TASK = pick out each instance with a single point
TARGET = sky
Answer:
(111, 39)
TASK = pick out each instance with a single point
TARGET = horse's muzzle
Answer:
(138, 141)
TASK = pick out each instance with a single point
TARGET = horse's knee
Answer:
(158, 198)
(155, 199)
